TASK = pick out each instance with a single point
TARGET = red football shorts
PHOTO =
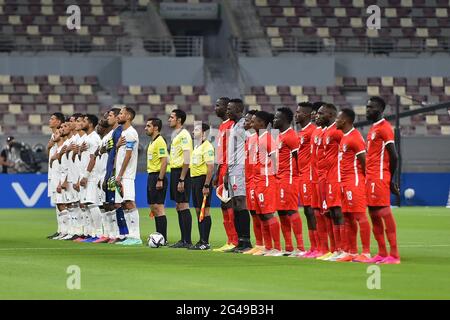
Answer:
(378, 193)
(266, 196)
(323, 194)
(305, 192)
(333, 194)
(251, 195)
(287, 194)
(353, 198)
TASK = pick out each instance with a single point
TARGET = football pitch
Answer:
(33, 267)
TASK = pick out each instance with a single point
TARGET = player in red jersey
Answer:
(381, 165)
(266, 183)
(352, 163)
(251, 153)
(318, 175)
(288, 177)
(227, 210)
(303, 118)
(331, 139)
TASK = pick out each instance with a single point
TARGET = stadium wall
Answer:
(112, 71)
(30, 190)
(322, 71)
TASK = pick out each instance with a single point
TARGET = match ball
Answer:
(155, 240)
(409, 193)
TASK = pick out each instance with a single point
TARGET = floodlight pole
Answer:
(398, 138)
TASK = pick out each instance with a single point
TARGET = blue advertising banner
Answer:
(30, 190)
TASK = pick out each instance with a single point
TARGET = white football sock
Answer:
(72, 224)
(96, 217)
(64, 218)
(84, 220)
(114, 227)
(133, 223)
(78, 220)
(58, 220)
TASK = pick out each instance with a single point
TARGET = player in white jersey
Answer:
(59, 179)
(89, 179)
(55, 121)
(81, 160)
(126, 167)
(100, 170)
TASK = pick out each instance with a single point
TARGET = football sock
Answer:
(187, 224)
(391, 230)
(64, 218)
(351, 227)
(115, 232)
(297, 227)
(266, 234)
(312, 239)
(161, 225)
(133, 218)
(206, 224)
(200, 226)
(378, 231)
(78, 221)
(274, 226)
(286, 229)
(364, 230)
(121, 222)
(228, 224)
(233, 233)
(58, 220)
(181, 224)
(96, 216)
(310, 217)
(321, 231)
(257, 229)
(244, 225)
(329, 228)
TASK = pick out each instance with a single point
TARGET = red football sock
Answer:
(321, 231)
(343, 237)
(351, 228)
(329, 226)
(312, 239)
(337, 237)
(391, 230)
(258, 230)
(364, 230)
(297, 227)
(267, 236)
(274, 226)
(287, 233)
(316, 239)
(228, 223)
(378, 231)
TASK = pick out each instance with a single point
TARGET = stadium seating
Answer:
(41, 25)
(28, 101)
(160, 101)
(409, 24)
(412, 91)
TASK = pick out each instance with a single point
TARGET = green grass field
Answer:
(33, 267)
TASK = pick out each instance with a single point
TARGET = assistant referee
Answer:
(202, 167)
(156, 168)
(180, 179)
